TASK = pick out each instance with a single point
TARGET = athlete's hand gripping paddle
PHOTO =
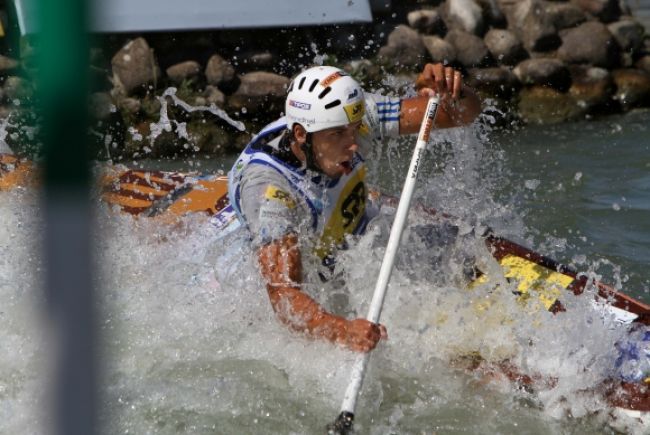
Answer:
(343, 423)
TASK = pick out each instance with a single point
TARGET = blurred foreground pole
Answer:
(62, 94)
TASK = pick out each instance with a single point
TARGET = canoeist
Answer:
(299, 186)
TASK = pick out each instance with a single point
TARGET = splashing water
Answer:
(23, 369)
(188, 351)
(4, 123)
(190, 343)
(164, 123)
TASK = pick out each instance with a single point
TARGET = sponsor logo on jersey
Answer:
(364, 130)
(275, 194)
(354, 111)
(299, 105)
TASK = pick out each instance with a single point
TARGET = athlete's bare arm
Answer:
(281, 267)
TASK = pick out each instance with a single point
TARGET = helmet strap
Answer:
(310, 158)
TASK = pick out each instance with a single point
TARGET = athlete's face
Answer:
(334, 148)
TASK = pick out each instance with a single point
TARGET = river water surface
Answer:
(190, 343)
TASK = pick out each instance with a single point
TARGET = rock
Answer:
(625, 8)
(256, 60)
(589, 43)
(242, 139)
(101, 105)
(632, 87)
(426, 21)
(150, 106)
(439, 49)
(544, 105)
(471, 51)
(465, 15)
(404, 49)
(183, 71)
(219, 72)
(533, 25)
(260, 92)
(507, 8)
(606, 10)
(504, 46)
(496, 81)
(643, 63)
(364, 70)
(213, 95)
(548, 72)
(564, 15)
(492, 14)
(628, 33)
(130, 105)
(208, 137)
(8, 65)
(134, 66)
(17, 90)
(591, 87)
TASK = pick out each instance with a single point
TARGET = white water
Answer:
(184, 353)
(23, 354)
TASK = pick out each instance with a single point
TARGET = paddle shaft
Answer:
(359, 368)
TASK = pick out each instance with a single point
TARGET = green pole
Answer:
(62, 88)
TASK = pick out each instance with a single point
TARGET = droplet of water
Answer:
(532, 184)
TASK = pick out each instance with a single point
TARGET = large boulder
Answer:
(183, 71)
(493, 16)
(129, 106)
(632, 87)
(439, 49)
(591, 87)
(256, 60)
(564, 15)
(219, 72)
(533, 25)
(628, 33)
(213, 95)
(547, 72)
(605, 10)
(471, 51)
(260, 93)
(404, 49)
(505, 46)
(643, 63)
(426, 21)
(8, 65)
(465, 15)
(134, 67)
(495, 81)
(544, 105)
(590, 43)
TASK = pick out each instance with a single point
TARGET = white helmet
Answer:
(323, 97)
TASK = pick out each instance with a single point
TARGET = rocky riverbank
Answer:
(533, 60)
